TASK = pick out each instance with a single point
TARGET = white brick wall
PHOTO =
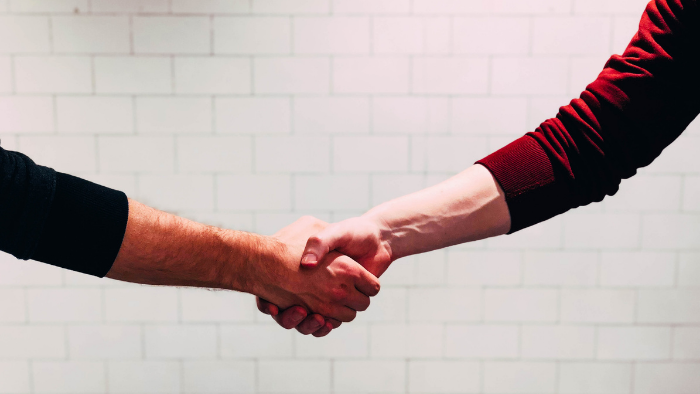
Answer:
(251, 113)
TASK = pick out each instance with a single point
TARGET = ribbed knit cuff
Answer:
(85, 226)
(533, 191)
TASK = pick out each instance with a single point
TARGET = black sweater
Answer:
(57, 218)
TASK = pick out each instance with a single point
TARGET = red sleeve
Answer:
(640, 103)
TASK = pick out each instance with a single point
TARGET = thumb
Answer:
(319, 245)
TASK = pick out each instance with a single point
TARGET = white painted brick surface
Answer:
(249, 114)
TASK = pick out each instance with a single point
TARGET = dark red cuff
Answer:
(533, 190)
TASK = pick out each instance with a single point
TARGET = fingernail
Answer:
(297, 316)
(308, 259)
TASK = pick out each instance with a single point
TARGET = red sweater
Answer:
(640, 103)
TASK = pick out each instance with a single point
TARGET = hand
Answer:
(355, 295)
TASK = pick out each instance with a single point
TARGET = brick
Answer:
(294, 376)
(533, 75)
(64, 305)
(70, 377)
(377, 376)
(371, 6)
(532, 7)
(647, 193)
(531, 305)
(547, 235)
(143, 376)
(671, 231)
(331, 35)
(634, 7)
(210, 6)
(491, 35)
(14, 377)
(483, 268)
(349, 342)
(94, 115)
(210, 75)
(686, 343)
(135, 75)
(689, 270)
(393, 35)
(26, 342)
(443, 75)
(292, 154)
(370, 154)
(129, 6)
(252, 35)
(136, 154)
(560, 268)
(637, 269)
(263, 192)
(256, 341)
(12, 307)
(370, 75)
(104, 341)
(389, 308)
(444, 304)
(558, 342)
(674, 159)
(624, 28)
(52, 152)
(401, 340)
(14, 272)
(52, 6)
(389, 187)
(594, 378)
(214, 154)
(481, 341)
(171, 34)
(90, 34)
(285, 7)
(543, 108)
(24, 34)
(691, 194)
(271, 223)
(176, 193)
(331, 192)
(331, 115)
(443, 376)
(232, 221)
(142, 304)
(585, 70)
(216, 306)
(668, 306)
(125, 183)
(607, 230)
(265, 115)
(446, 153)
(59, 74)
(415, 115)
(450, 7)
(219, 376)
(26, 114)
(430, 268)
(666, 378)
(486, 116)
(597, 306)
(634, 343)
(291, 75)
(173, 115)
(571, 36)
(5, 74)
(519, 377)
(180, 341)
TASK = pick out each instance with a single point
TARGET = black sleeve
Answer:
(57, 218)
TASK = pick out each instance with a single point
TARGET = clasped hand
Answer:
(342, 260)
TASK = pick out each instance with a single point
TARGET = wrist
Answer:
(379, 221)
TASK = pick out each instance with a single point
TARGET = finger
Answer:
(323, 331)
(344, 314)
(357, 301)
(266, 307)
(291, 317)
(320, 244)
(367, 283)
(311, 324)
(334, 323)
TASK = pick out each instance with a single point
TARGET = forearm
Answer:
(467, 207)
(163, 249)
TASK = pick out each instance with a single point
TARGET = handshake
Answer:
(329, 270)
